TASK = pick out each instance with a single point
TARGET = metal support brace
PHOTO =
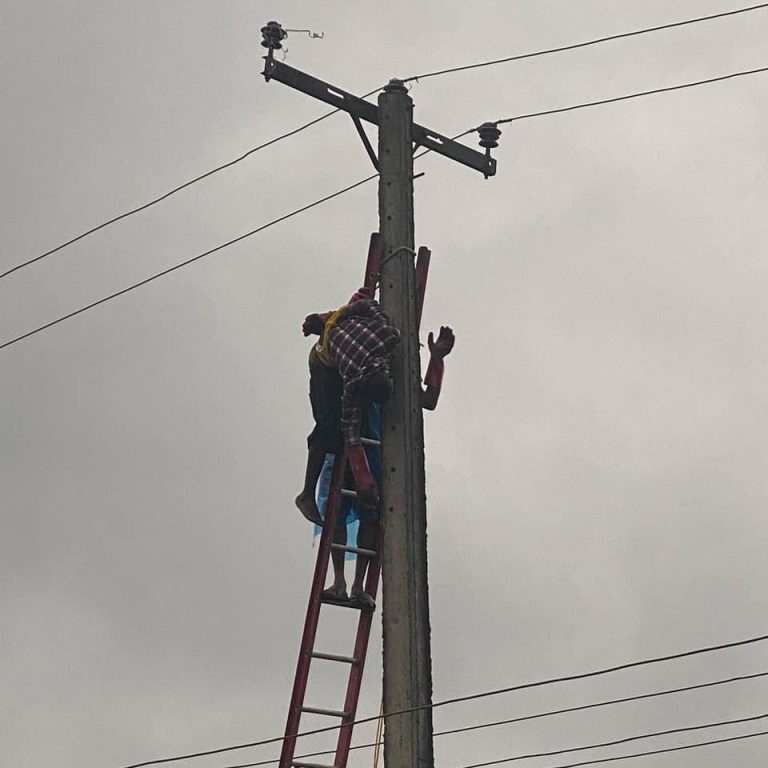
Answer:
(366, 141)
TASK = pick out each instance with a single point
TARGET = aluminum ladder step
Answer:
(355, 550)
(296, 764)
(325, 712)
(334, 657)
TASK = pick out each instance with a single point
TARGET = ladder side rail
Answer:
(373, 263)
(313, 613)
(356, 672)
(422, 271)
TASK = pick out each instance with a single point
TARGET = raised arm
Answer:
(433, 381)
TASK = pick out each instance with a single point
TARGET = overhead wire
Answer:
(470, 697)
(636, 95)
(526, 718)
(617, 742)
(526, 116)
(187, 262)
(616, 758)
(248, 153)
(587, 43)
(173, 191)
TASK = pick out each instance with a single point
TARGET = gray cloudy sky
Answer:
(596, 470)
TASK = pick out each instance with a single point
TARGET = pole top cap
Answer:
(395, 86)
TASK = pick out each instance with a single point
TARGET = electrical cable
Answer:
(616, 742)
(173, 191)
(470, 697)
(532, 54)
(346, 189)
(637, 754)
(636, 95)
(525, 718)
(587, 43)
(188, 261)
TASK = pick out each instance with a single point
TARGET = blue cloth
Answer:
(349, 511)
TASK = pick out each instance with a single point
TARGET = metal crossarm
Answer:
(360, 109)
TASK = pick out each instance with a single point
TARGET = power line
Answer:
(597, 705)
(644, 754)
(173, 191)
(166, 195)
(628, 96)
(188, 261)
(616, 742)
(362, 181)
(536, 716)
(470, 697)
(229, 164)
(587, 43)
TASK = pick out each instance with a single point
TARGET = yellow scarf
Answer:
(320, 351)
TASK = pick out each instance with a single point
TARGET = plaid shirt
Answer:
(360, 343)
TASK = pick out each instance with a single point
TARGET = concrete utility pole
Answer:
(407, 655)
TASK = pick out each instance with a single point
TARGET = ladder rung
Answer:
(334, 657)
(348, 492)
(369, 441)
(310, 765)
(355, 550)
(326, 712)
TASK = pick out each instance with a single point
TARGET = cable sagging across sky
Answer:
(369, 178)
(597, 761)
(588, 43)
(628, 96)
(248, 153)
(536, 716)
(469, 697)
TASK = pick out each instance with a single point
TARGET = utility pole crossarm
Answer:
(364, 110)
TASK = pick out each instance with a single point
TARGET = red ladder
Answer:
(307, 652)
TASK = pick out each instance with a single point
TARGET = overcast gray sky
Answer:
(596, 470)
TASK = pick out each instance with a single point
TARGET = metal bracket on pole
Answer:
(364, 110)
(366, 141)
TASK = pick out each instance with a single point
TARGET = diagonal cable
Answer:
(636, 95)
(470, 697)
(587, 43)
(682, 748)
(342, 191)
(187, 262)
(536, 716)
(617, 742)
(173, 191)
(518, 57)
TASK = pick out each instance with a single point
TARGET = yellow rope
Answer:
(379, 734)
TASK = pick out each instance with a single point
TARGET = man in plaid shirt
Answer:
(360, 346)
(348, 367)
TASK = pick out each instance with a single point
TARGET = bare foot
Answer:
(363, 600)
(308, 508)
(336, 592)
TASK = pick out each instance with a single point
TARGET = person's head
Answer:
(377, 387)
(313, 325)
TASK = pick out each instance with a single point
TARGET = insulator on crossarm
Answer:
(273, 35)
(489, 135)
